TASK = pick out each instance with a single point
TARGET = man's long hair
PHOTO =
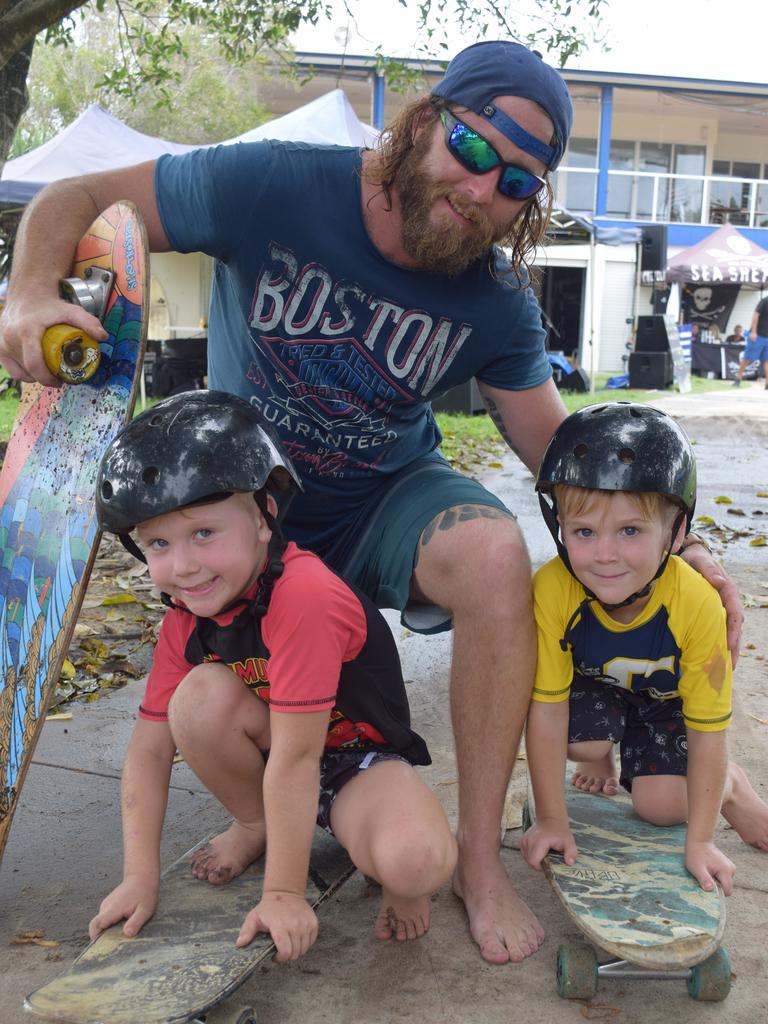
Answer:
(530, 225)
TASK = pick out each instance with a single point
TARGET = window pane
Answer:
(581, 153)
(745, 170)
(654, 157)
(687, 195)
(622, 158)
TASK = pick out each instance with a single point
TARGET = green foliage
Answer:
(211, 100)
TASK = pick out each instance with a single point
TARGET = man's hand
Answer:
(288, 918)
(133, 901)
(22, 325)
(548, 834)
(707, 865)
(697, 556)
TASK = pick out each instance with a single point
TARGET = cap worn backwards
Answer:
(484, 71)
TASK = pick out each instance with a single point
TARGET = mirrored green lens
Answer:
(517, 183)
(475, 152)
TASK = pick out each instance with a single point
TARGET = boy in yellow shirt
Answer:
(631, 642)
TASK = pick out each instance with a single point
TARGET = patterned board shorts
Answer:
(337, 768)
(650, 732)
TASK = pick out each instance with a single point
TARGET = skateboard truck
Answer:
(71, 354)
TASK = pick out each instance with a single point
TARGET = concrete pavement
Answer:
(64, 850)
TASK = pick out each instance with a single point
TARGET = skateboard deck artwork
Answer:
(184, 963)
(48, 535)
(631, 896)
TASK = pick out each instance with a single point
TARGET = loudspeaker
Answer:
(653, 247)
(650, 370)
(577, 380)
(654, 334)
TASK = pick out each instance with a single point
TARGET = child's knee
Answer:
(204, 699)
(662, 804)
(416, 863)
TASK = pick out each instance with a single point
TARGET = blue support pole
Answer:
(377, 100)
(604, 149)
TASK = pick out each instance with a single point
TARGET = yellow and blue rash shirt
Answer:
(675, 647)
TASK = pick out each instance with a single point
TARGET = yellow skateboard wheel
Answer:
(70, 354)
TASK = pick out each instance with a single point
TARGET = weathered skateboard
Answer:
(48, 536)
(630, 894)
(184, 963)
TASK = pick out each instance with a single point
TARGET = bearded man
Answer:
(351, 289)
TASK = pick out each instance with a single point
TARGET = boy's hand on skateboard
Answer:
(545, 835)
(708, 865)
(288, 918)
(133, 901)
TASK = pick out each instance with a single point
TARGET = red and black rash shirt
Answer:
(320, 645)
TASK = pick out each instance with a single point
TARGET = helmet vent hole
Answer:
(627, 456)
(156, 421)
(637, 413)
(580, 451)
(106, 490)
(151, 475)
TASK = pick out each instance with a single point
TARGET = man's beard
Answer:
(442, 246)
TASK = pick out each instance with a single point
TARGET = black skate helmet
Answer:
(619, 446)
(194, 447)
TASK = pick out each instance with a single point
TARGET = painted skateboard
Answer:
(630, 895)
(48, 536)
(183, 964)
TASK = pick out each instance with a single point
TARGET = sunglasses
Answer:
(478, 156)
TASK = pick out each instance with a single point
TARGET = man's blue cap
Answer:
(477, 75)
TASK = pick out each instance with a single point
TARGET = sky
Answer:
(681, 38)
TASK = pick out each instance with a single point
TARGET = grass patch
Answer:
(473, 441)
(468, 441)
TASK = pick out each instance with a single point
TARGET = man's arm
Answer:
(48, 234)
(525, 419)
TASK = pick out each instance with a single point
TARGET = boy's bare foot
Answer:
(501, 924)
(745, 811)
(229, 854)
(401, 918)
(596, 776)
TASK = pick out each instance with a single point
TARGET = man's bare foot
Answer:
(745, 811)
(229, 854)
(501, 924)
(596, 776)
(401, 918)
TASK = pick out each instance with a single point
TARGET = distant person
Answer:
(737, 338)
(696, 333)
(756, 347)
(631, 644)
(279, 684)
(713, 336)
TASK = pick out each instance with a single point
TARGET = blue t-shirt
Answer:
(340, 349)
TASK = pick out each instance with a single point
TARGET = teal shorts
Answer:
(378, 554)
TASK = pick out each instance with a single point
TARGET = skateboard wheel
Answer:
(224, 1014)
(711, 979)
(576, 972)
(69, 354)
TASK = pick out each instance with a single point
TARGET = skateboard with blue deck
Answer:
(183, 965)
(48, 535)
(631, 896)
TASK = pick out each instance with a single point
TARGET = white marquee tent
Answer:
(97, 141)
